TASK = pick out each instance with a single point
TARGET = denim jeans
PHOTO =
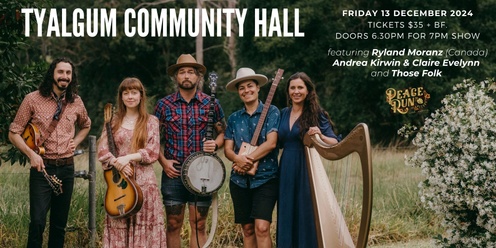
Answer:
(175, 193)
(42, 199)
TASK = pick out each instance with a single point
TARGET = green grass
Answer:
(397, 215)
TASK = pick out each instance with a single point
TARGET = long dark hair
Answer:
(311, 106)
(46, 87)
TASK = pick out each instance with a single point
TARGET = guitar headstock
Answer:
(213, 81)
(108, 112)
(278, 76)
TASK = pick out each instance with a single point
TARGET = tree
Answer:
(350, 94)
(16, 78)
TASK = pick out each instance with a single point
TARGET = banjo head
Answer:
(203, 173)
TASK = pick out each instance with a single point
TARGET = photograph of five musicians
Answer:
(185, 122)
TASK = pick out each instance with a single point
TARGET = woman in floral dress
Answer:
(136, 136)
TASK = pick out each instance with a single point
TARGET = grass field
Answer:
(398, 220)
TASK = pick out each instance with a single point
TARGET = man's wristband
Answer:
(216, 147)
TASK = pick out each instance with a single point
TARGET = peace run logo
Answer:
(404, 100)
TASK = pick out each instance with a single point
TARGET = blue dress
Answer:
(295, 220)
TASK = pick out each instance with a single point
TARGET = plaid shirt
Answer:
(184, 125)
(40, 110)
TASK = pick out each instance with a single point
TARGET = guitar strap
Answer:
(61, 104)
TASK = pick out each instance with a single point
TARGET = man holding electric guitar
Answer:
(254, 183)
(46, 119)
(184, 120)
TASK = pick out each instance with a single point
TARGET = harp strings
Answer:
(346, 180)
(357, 226)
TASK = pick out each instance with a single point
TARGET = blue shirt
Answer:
(240, 128)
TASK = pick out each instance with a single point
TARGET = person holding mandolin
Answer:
(46, 119)
(135, 137)
(254, 195)
(184, 119)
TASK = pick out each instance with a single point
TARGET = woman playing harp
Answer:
(295, 221)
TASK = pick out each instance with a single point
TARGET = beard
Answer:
(187, 85)
(60, 87)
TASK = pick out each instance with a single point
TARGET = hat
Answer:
(185, 60)
(244, 74)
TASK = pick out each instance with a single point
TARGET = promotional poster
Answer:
(401, 70)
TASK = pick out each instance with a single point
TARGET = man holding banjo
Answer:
(184, 120)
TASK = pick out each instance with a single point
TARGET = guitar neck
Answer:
(110, 139)
(265, 110)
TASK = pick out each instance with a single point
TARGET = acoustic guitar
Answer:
(247, 148)
(123, 197)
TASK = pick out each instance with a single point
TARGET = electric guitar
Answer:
(123, 197)
(247, 148)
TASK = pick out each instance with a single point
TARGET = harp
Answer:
(331, 227)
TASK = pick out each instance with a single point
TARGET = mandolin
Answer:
(54, 182)
(123, 197)
(247, 148)
(31, 137)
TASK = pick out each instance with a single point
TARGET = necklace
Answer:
(129, 122)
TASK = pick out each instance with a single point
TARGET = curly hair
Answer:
(311, 106)
(46, 87)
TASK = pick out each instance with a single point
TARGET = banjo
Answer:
(203, 173)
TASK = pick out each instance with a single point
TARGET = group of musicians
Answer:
(179, 125)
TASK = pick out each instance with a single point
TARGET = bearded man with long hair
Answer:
(55, 110)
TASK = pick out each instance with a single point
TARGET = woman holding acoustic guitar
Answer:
(136, 137)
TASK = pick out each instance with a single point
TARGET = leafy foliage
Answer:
(350, 94)
(16, 78)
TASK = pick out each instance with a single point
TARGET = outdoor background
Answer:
(349, 94)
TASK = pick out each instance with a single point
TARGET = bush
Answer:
(456, 150)
(17, 78)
